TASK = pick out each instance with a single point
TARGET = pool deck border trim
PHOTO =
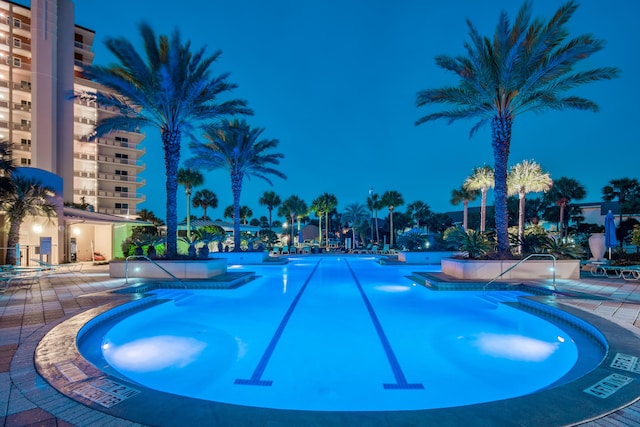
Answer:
(563, 405)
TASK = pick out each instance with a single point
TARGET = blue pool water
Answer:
(342, 334)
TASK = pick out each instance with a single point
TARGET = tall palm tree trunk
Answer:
(188, 193)
(483, 210)
(171, 144)
(562, 227)
(465, 214)
(501, 141)
(320, 231)
(521, 206)
(12, 240)
(236, 188)
(377, 229)
(391, 227)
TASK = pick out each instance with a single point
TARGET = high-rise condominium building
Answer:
(42, 51)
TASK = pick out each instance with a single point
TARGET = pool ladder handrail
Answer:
(126, 269)
(520, 262)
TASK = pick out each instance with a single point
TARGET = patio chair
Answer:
(22, 277)
(277, 250)
(54, 268)
(385, 249)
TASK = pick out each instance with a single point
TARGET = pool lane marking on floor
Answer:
(401, 380)
(264, 360)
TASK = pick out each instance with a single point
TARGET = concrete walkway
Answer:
(25, 315)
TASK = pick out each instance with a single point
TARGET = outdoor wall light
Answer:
(37, 228)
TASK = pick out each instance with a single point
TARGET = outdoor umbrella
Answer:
(610, 232)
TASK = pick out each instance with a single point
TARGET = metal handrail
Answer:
(520, 262)
(126, 269)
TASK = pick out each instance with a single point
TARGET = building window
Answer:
(17, 43)
(122, 156)
(17, 23)
(25, 141)
(122, 189)
(120, 172)
(24, 161)
(122, 205)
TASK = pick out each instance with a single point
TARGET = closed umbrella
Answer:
(610, 239)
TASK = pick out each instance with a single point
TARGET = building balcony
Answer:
(122, 144)
(137, 197)
(21, 147)
(22, 107)
(139, 165)
(122, 178)
(84, 192)
(130, 213)
(85, 120)
(84, 174)
(84, 156)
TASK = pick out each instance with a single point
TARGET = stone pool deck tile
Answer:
(27, 400)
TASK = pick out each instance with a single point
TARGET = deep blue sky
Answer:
(335, 82)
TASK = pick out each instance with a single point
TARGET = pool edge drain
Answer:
(608, 385)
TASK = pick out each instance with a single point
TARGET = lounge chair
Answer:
(23, 277)
(277, 250)
(54, 268)
(374, 249)
(385, 249)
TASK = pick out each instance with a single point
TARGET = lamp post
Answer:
(371, 211)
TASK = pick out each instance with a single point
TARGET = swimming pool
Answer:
(340, 334)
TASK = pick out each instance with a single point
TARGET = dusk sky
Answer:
(335, 82)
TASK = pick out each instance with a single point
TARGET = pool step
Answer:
(498, 297)
(173, 294)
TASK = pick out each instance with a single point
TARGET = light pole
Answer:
(371, 210)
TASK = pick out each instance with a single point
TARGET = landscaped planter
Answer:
(490, 269)
(245, 257)
(182, 269)
(427, 257)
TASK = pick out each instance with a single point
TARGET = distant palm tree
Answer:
(271, 200)
(526, 177)
(464, 196)
(205, 199)
(28, 197)
(482, 179)
(419, 211)
(391, 199)
(234, 146)
(293, 207)
(622, 189)
(373, 203)
(322, 206)
(525, 66)
(149, 216)
(189, 178)
(171, 89)
(354, 215)
(563, 191)
(245, 213)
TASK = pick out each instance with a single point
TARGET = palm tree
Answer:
(373, 203)
(482, 179)
(322, 206)
(6, 167)
(245, 213)
(271, 200)
(419, 211)
(526, 66)
(205, 199)
(391, 199)
(465, 196)
(189, 178)
(526, 177)
(621, 189)
(171, 89)
(234, 146)
(563, 191)
(149, 216)
(293, 207)
(28, 197)
(354, 215)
